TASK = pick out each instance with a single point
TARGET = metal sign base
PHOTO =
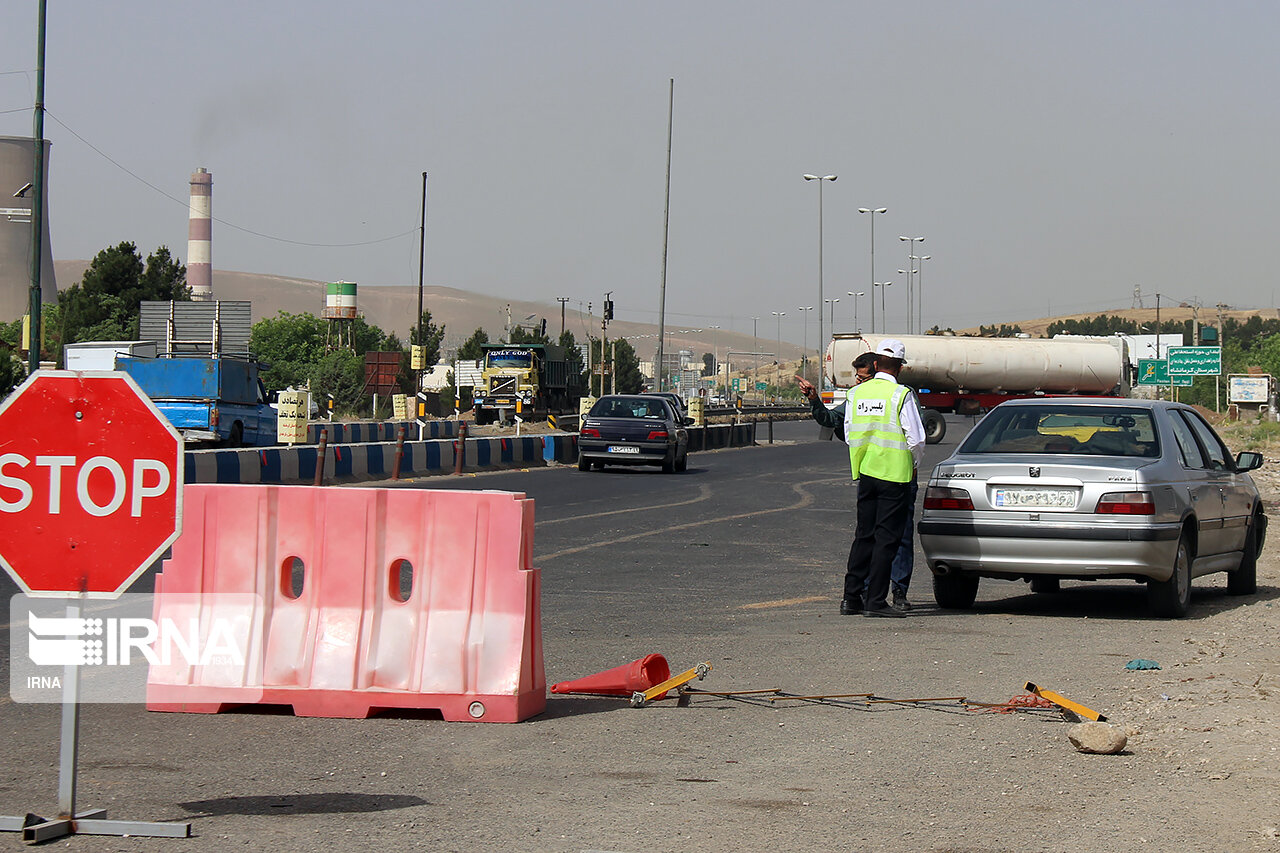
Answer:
(35, 829)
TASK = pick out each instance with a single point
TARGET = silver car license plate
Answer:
(622, 448)
(1034, 498)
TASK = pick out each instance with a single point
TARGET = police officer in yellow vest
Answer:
(885, 435)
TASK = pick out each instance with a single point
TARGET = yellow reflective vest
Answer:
(874, 432)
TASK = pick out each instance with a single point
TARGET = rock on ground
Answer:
(1097, 738)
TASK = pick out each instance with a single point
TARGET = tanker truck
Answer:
(968, 376)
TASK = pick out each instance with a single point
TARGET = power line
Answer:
(232, 225)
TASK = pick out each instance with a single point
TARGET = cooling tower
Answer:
(200, 237)
(17, 168)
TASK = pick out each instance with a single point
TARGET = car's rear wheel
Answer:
(1045, 585)
(669, 466)
(584, 464)
(1244, 580)
(955, 591)
(683, 462)
(935, 428)
(1171, 598)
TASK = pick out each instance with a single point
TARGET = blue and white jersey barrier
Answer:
(375, 460)
(361, 432)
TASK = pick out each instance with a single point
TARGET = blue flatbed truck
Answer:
(211, 400)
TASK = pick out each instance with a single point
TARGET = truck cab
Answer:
(519, 380)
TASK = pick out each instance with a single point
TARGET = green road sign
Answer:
(1154, 371)
(737, 384)
(1195, 361)
(760, 386)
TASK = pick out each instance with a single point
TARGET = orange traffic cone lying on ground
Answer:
(635, 677)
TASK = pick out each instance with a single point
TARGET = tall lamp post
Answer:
(804, 361)
(873, 211)
(755, 352)
(884, 311)
(919, 292)
(911, 250)
(910, 280)
(820, 181)
(832, 303)
(856, 296)
(778, 346)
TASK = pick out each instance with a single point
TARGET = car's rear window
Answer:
(1059, 429)
(621, 408)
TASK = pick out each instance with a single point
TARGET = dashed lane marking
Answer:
(806, 498)
(704, 492)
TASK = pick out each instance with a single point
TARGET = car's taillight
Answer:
(589, 432)
(656, 434)
(942, 497)
(213, 416)
(1126, 503)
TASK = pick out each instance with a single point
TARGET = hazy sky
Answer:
(1054, 155)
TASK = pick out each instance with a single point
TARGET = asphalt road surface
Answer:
(737, 562)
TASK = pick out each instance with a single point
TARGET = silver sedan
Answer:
(1044, 489)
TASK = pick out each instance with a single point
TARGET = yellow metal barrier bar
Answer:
(1064, 702)
(639, 699)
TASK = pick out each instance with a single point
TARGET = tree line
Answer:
(105, 305)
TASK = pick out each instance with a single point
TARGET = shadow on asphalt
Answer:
(576, 706)
(1114, 602)
(336, 803)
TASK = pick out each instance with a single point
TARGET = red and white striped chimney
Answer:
(200, 237)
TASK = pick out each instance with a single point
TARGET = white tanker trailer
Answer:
(970, 375)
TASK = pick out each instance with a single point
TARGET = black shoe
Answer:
(888, 612)
(900, 601)
(850, 607)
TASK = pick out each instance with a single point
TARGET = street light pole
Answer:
(910, 279)
(884, 311)
(755, 352)
(820, 181)
(911, 250)
(873, 211)
(919, 292)
(804, 361)
(832, 303)
(778, 346)
(856, 296)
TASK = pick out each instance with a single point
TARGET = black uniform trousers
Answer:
(882, 516)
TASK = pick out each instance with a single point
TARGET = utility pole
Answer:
(1222, 343)
(422, 260)
(606, 314)
(666, 228)
(37, 201)
(562, 300)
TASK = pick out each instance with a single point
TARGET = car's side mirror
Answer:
(689, 421)
(1247, 460)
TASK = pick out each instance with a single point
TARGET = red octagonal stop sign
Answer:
(90, 483)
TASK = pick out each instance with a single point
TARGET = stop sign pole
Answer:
(90, 496)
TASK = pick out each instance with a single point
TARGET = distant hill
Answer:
(1139, 316)
(392, 309)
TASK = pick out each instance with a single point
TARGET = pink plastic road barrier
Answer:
(371, 599)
